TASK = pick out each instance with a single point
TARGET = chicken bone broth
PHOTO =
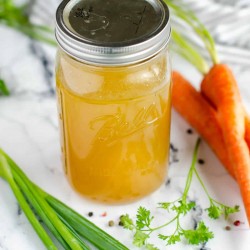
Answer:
(114, 96)
(115, 127)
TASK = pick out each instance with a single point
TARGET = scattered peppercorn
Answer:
(168, 182)
(201, 161)
(173, 148)
(19, 210)
(104, 214)
(190, 131)
(228, 228)
(237, 223)
(90, 214)
(111, 223)
(120, 223)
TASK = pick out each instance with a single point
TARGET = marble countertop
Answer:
(29, 133)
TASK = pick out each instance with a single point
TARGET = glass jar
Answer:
(114, 96)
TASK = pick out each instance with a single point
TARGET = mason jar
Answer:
(113, 78)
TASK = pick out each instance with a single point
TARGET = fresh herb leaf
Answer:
(163, 237)
(3, 88)
(144, 218)
(165, 205)
(151, 247)
(214, 211)
(127, 222)
(140, 238)
(231, 210)
(200, 235)
(143, 229)
(183, 207)
(173, 239)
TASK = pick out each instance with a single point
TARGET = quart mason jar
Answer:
(113, 79)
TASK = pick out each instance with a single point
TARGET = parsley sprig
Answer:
(143, 228)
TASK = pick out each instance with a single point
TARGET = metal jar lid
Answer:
(112, 32)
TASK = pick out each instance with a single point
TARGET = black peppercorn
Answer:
(90, 214)
(201, 161)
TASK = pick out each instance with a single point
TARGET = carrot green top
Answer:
(185, 46)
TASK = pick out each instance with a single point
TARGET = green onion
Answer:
(85, 228)
(69, 228)
(16, 17)
(52, 216)
(42, 214)
(5, 172)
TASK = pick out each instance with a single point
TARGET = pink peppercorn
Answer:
(104, 214)
(237, 223)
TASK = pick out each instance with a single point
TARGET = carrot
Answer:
(197, 111)
(210, 93)
(220, 87)
(247, 134)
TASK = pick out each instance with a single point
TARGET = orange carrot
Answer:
(211, 95)
(197, 111)
(220, 87)
(247, 134)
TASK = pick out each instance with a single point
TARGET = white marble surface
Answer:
(29, 133)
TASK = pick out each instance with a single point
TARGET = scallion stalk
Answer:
(17, 18)
(51, 210)
(6, 173)
(84, 227)
(40, 212)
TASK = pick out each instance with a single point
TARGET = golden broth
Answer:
(115, 127)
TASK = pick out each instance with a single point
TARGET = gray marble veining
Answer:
(29, 133)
